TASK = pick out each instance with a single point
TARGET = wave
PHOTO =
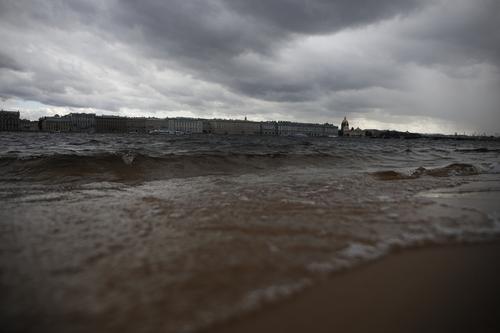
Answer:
(454, 169)
(130, 166)
(478, 150)
(124, 166)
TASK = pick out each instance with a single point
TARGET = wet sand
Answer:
(439, 289)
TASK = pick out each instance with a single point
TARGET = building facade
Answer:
(185, 125)
(55, 124)
(269, 128)
(229, 126)
(330, 130)
(110, 124)
(136, 125)
(354, 132)
(344, 127)
(155, 124)
(89, 122)
(26, 125)
(281, 128)
(9, 120)
(73, 122)
(82, 122)
(346, 131)
(288, 128)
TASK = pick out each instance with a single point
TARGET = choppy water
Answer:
(138, 233)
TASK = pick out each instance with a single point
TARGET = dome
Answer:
(345, 123)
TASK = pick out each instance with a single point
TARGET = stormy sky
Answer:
(417, 65)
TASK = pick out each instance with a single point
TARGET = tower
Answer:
(344, 127)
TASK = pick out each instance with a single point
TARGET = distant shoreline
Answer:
(386, 135)
(92, 123)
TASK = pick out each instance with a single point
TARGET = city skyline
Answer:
(72, 122)
(92, 123)
(427, 66)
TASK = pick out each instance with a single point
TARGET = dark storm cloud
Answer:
(201, 28)
(204, 37)
(301, 58)
(54, 13)
(453, 32)
(210, 36)
(320, 16)
(7, 62)
(210, 39)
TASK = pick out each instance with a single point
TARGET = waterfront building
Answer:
(9, 120)
(344, 127)
(225, 126)
(345, 131)
(155, 124)
(136, 125)
(110, 124)
(73, 122)
(268, 128)
(330, 130)
(55, 124)
(81, 122)
(89, 122)
(288, 128)
(355, 132)
(206, 126)
(185, 125)
(26, 125)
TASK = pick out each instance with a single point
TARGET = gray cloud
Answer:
(211, 38)
(314, 59)
(321, 16)
(9, 63)
(452, 33)
(201, 29)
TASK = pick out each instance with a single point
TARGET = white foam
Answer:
(353, 255)
(128, 158)
(273, 293)
(322, 267)
(494, 168)
(358, 251)
(495, 218)
(102, 185)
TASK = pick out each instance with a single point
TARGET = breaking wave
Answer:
(479, 150)
(454, 169)
(142, 158)
(129, 166)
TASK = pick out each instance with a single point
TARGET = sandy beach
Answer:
(439, 289)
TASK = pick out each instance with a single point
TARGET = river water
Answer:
(145, 233)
